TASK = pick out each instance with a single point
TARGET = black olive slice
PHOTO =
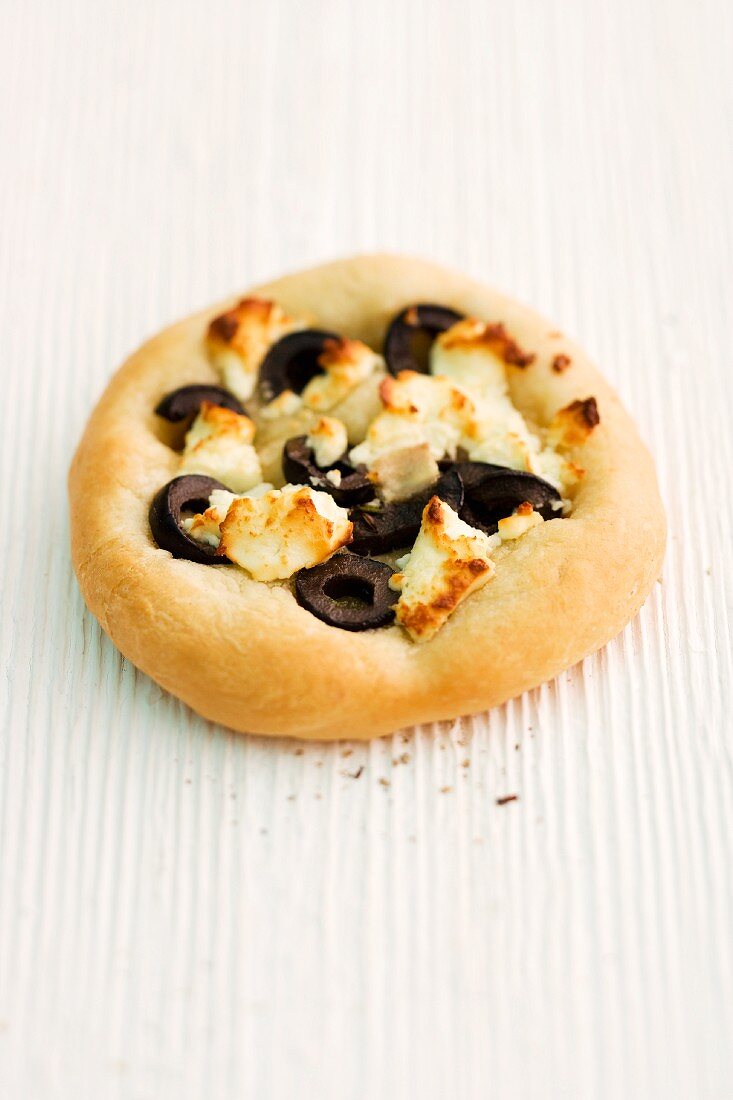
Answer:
(300, 468)
(428, 319)
(189, 493)
(493, 492)
(292, 362)
(186, 401)
(395, 526)
(347, 576)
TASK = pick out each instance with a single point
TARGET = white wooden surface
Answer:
(185, 913)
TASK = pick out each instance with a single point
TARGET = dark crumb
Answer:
(465, 763)
(516, 748)
(384, 782)
(298, 752)
(403, 759)
(406, 740)
(354, 775)
(561, 363)
(507, 798)
(292, 797)
(347, 752)
(445, 790)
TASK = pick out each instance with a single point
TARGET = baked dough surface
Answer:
(247, 655)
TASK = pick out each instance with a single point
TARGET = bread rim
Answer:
(245, 654)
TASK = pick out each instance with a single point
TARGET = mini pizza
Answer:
(364, 496)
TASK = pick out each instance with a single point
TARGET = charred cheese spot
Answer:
(346, 364)
(238, 340)
(417, 409)
(328, 440)
(283, 531)
(219, 444)
(448, 562)
(571, 426)
(561, 363)
(479, 335)
(206, 526)
(523, 519)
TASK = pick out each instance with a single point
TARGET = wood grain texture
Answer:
(187, 913)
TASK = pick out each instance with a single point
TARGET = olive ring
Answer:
(346, 575)
(189, 493)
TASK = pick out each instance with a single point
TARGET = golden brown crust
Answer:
(245, 654)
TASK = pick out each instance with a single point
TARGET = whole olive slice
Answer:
(426, 318)
(292, 361)
(395, 526)
(299, 467)
(342, 577)
(186, 401)
(189, 493)
(493, 492)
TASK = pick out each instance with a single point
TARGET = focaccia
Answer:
(367, 495)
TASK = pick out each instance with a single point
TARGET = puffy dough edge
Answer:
(247, 656)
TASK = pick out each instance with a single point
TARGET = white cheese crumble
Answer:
(399, 428)
(219, 444)
(448, 562)
(238, 340)
(401, 473)
(286, 403)
(418, 409)
(471, 355)
(327, 438)
(283, 531)
(523, 519)
(346, 364)
(205, 527)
